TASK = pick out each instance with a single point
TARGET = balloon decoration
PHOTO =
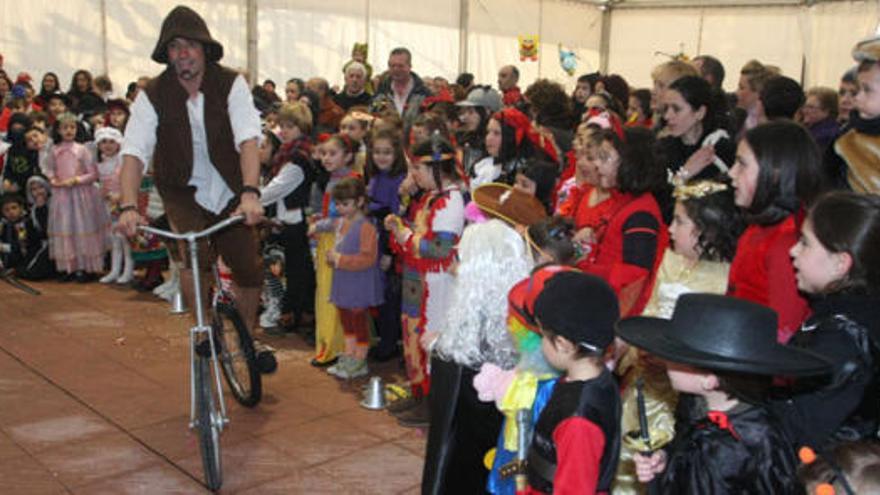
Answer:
(568, 60)
(528, 48)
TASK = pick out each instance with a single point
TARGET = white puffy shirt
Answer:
(212, 193)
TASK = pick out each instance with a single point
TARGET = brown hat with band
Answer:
(184, 22)
(506, 203)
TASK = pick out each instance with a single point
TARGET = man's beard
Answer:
(187, 74)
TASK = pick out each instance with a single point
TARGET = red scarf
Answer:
(298, 151)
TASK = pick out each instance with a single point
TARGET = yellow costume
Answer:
(329, 341)
(676, 276)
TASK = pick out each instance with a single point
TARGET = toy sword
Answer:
(653, 487)
(517, 467)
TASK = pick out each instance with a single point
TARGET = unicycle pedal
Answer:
(265, 358)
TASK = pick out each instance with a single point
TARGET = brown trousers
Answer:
(237, 244)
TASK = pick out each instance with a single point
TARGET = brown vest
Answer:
(173, 158)
(862, 155)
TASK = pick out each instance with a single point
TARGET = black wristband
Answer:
(123, 209)
(251, 189)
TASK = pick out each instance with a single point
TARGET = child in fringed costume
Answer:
(704, 230)
(337, 157)
(427, 250)
(492, 257)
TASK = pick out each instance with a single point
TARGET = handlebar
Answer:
(192, 236)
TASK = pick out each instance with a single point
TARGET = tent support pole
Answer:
(605, 40)
(252, 40)
(464, 15)
(104, 58)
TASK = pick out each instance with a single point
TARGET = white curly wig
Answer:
(492, 258)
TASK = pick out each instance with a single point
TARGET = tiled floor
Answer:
(94, 399)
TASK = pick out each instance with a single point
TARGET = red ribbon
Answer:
(523, 129)
(722, 421)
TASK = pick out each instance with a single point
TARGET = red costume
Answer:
(762, 272)
(629, 249)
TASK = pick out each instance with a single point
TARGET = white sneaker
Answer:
(162, 288)
(109, 278)
(341, 365)
(356, 369)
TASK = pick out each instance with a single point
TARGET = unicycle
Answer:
(207, 407)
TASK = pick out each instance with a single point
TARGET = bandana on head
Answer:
(523, 128)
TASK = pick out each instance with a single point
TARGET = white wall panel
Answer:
(638, 35)
(579, 28)
(133, 29)
(429, 30)
(301, 38)
(44, 35)
(770, 35)
(492, 38)
(834, 29)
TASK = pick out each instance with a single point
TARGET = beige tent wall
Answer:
(40, 36)
(578, 28)
(133, 29)
(429, 30)
(642, 38)
(812, 43)
(302, 38)
(833, 30)
(494, 26)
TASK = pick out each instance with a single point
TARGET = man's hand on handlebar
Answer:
(251, 208)
(129, 221)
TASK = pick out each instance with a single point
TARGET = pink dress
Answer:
(79, 224)
(109, 175)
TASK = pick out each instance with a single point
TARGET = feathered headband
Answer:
(437, 154)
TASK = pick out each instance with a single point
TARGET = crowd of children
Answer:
(675, 298)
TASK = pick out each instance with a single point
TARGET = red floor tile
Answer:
(51, 432)
(25, 476)
(246, 464)
(104, 456)
(321, 440)
(147, 480)
(94, 398)
(400, 469)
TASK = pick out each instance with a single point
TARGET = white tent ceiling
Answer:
(810, 41)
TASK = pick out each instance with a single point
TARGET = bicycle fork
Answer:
(196, 334)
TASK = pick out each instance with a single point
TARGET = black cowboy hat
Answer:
(721, 333)
(183, 22)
